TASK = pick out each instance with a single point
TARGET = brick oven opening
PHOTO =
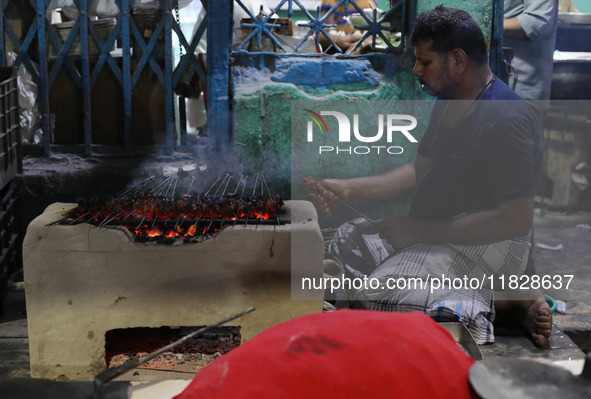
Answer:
(125, 344)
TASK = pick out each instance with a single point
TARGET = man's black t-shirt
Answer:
(492, 154)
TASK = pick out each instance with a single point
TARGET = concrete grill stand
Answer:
(82, 281)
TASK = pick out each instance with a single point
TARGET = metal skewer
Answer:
(356, 211)
(190, 185)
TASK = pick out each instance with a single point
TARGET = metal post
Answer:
(496, 61)
(85, 75)
(168, 92)
(2, 52)
(126, 76)
(43, 83)
(219, 40)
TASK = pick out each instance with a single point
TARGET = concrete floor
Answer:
(571, 233)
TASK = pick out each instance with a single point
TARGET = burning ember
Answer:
(153, 216)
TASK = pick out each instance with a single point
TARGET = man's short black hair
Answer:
(450, 28)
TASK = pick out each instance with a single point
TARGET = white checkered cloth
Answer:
(364, 254)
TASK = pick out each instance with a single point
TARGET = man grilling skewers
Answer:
(472, 185)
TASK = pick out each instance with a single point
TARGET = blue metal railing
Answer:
(374, 26)
(39, 36)
(154, 54)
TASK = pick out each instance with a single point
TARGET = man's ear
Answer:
(459, 59)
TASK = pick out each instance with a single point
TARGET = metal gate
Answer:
(37, 38)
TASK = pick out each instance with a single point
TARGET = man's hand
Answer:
(340, 187)
(347, 42)
(400, 232)
(391, 185)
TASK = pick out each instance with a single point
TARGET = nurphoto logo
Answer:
(392, 126)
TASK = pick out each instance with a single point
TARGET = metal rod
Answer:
(244, 186)
(190, 185)
(159, 189)
(265, 183)
(57, 221)
(134, 188)
(131, 213)
(175, 181)
(256, 180)
(96, 215)
(226, 187)
(247, 215)
(185, 219)
(177, 221)
(197, 222)
(222, 183)
(169, 185)
(79, 217)
(114, 217)
(114, 372)
(105, 218)
(356, 211)
(156, 189)
(237, 186)
(211, 187)
(142, 222)
(209, 226)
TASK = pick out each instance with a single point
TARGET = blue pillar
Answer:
(2, 61)
(168, 92)
(83, 7)
(219, 41)
(496, 40)
(126, 75)
(43, 82)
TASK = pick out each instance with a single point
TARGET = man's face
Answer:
(432, 70)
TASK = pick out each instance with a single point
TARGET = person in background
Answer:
(196, 107)
(344, 35)
(471, 210)
(529, 28)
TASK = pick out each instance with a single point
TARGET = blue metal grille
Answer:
(374, 26)
(154, 54)
(39, 36)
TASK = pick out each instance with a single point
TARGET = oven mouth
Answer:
(125, 344)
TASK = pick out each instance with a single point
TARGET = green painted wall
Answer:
(480, 10)
(263, 119)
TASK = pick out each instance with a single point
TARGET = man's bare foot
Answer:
(538, 322)
(528, 311)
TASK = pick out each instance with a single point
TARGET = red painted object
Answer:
(343, 354)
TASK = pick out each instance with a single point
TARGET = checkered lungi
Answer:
(364, 254)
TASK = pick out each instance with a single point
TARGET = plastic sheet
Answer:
(104, 8)
(27, 100)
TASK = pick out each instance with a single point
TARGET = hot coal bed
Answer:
(186, 219)
(99, 266)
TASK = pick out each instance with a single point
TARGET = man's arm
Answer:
(393, 184)
(512, 28)
(537, 19)
(508, 219)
